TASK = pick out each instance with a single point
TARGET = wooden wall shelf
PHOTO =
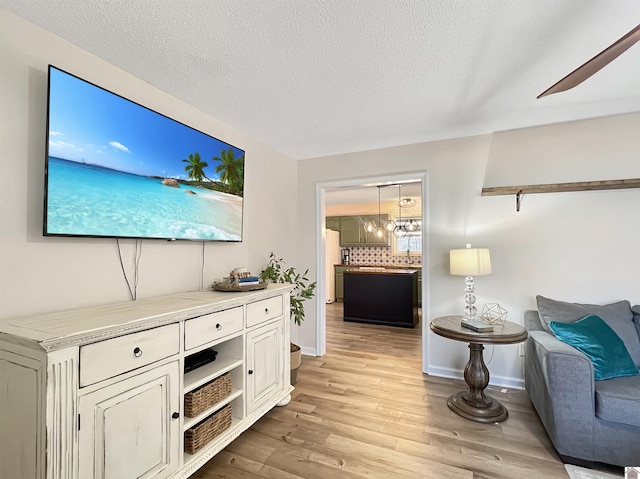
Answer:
(562, 187)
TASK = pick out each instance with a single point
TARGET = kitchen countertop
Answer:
(371, 270)
(385, 266)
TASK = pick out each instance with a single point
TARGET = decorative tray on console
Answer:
(239, 282)
(236, 288)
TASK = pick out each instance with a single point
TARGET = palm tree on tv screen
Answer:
(231, 171)
(195, 167)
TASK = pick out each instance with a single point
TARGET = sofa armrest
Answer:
(560, 382)
(532, 320)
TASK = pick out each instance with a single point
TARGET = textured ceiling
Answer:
(314, 78)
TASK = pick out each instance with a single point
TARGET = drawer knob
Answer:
(137, 352)
(218, 326)
(266, 310)
(250, 371)
(175, 415)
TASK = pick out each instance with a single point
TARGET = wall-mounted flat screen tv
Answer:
(115, 168)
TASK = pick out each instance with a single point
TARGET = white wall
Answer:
(581, 246)
(572, 246)
(40, 274)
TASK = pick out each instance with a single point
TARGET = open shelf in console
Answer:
(228, 362)
(204, 374)
(235, 422)
(226, 436)
(229, 358)
(189, 422)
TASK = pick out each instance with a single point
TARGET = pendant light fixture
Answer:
(379, 231)
(370, 226)
(398, 227)
(400, 231)
(411, 224)
(389, 225)
(406, 202)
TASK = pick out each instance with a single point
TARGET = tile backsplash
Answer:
(378, 256)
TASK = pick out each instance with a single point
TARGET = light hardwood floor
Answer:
(366, 410)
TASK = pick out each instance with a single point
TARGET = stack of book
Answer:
(239, 282)
(246, 281)
(477, 326)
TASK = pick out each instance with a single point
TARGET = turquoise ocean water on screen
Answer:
(91, 200)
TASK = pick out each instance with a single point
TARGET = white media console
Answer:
(97, 393)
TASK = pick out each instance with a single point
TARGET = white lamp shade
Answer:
(469, 262)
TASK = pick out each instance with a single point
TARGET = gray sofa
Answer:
(587, 420)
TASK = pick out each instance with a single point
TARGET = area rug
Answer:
(576, 472)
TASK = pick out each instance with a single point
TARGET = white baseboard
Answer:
(307, 351)
(505, 382)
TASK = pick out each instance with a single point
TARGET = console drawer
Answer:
(263, 310)
(202, 330)
(112, 357)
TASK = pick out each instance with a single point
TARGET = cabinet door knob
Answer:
(266, 310)
(250, 371)
(175, 415)
(137, 352)
(218, 326)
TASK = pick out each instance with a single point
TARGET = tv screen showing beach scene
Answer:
(115, 168)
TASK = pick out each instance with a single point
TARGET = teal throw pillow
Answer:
(595, 339)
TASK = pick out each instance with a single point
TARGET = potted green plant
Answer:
(276, 272)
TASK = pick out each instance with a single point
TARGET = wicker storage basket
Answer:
(207, 395)
(200, 435)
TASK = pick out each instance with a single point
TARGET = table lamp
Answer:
(469, 262)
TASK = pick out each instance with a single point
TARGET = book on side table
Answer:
(477, 326)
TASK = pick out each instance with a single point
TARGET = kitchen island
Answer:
(381, 296)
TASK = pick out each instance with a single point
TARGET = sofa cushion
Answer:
(595, 339)
(617, 315)
(617, 400)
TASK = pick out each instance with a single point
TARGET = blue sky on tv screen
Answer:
(89, 124)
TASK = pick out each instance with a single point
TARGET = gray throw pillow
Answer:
(636, 317)
(617, 315)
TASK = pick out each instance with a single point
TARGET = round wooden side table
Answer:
(474, 404)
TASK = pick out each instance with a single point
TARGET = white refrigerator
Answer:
(331, 258)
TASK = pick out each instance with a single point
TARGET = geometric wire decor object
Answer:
(493, 313)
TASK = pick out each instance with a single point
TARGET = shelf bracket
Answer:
(519, 196)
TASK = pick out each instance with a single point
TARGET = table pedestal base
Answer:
(475, 404)
(491, 411)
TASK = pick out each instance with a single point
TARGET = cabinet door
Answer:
(332, 223)
(265, 363)
(340, 281)
(127, 430)
(351, 231)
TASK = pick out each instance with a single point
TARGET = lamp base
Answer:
(470, 311)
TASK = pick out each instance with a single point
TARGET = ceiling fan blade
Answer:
(606, 56)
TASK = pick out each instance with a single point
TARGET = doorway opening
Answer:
(418, 179)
